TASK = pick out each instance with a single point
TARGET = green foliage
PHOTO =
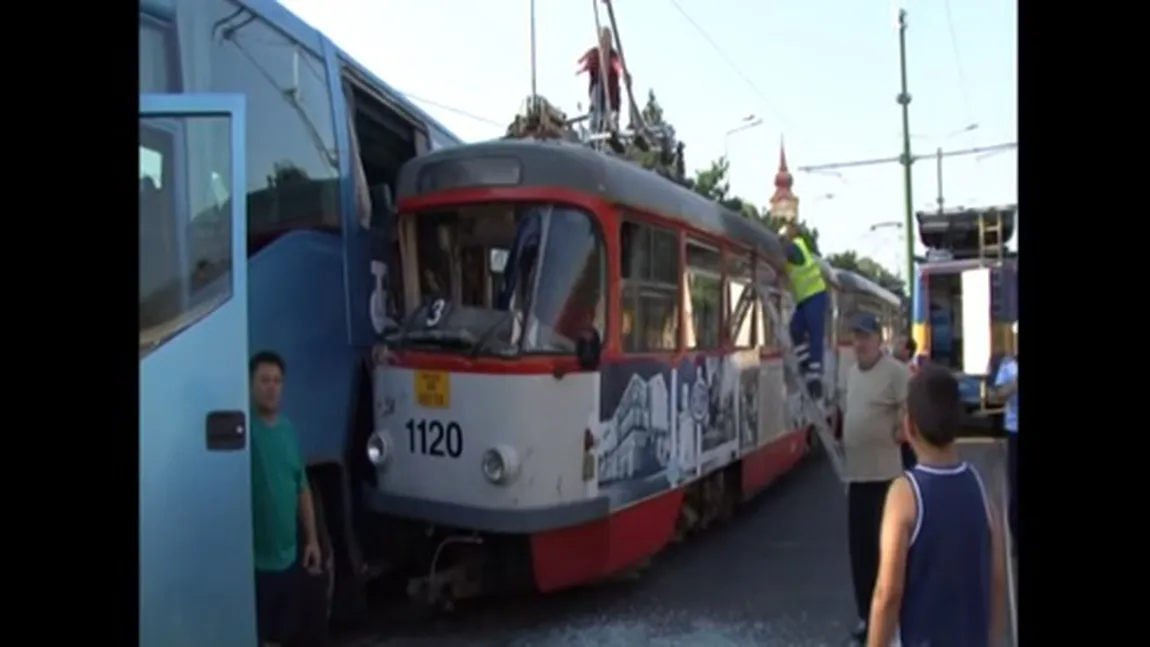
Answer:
(665, 156)
(850, 260)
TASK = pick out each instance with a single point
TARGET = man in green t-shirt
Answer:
(281, 504)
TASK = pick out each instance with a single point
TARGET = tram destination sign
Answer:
(483, 171)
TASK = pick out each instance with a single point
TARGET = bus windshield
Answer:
(501, 279)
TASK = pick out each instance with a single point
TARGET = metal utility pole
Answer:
(533, 74)
(907, 159)
(938, 176)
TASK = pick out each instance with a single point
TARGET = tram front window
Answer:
(503, 279)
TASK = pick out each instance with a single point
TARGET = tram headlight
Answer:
(379, 447)
(500, 465)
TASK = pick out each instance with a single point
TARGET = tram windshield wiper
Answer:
(454, 339)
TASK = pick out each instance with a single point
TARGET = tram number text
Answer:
(435, 438)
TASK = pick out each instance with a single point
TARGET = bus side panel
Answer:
(1004, 308)
(920, 328)
(297, 310)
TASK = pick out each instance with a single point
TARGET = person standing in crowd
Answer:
(942, 571)
(281, 504)
(904, 351)
(809, 289)
(1006, 391)
(875, 400)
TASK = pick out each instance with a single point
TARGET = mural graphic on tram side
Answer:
(636, 446)
(749, 405)
(659, 426)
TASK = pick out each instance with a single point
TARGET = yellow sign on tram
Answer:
(433, 389)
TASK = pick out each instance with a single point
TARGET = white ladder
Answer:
(795, 381)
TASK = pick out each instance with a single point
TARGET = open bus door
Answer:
(978, 329)
(196, 571)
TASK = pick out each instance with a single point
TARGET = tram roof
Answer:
(852, 282)
(577, 167)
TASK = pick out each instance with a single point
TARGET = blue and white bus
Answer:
(242, 99)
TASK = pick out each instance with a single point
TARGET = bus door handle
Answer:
(226, 431)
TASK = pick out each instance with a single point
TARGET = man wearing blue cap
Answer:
(872, 425)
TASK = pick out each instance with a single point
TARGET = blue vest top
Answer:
(947, 598)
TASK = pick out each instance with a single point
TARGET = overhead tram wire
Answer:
(894, 160)
(770, 105)
(962, 87)
(452, 109)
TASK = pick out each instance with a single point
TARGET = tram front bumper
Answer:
(504, 520)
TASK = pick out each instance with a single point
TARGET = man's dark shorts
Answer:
(278, 604)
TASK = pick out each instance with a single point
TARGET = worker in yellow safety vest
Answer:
(808, 323)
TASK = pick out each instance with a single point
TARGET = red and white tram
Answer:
(585, 372)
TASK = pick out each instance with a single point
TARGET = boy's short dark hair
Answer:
(266, 357)
(911, 345)
(935, 404)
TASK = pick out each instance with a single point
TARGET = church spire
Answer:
(784, 203)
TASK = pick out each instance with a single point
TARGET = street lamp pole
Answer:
(747, 123)
(938, 155)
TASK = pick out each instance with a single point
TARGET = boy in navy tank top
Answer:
(942, 569)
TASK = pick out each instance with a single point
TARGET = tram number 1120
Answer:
(434, 438)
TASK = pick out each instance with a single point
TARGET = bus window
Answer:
(649, 317)
(705, 293)
(185, 234)
(222, 47)
(741, 294)
(159, 57)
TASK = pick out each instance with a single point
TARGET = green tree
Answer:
(665, 156)
(868, 267)
(712, 182)
(664, 153)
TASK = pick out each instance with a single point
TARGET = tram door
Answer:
(196, 577)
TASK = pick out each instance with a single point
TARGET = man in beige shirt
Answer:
(875, 401)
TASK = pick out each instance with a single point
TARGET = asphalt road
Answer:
(776, 575)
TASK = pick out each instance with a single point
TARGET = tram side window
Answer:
(829, 331)
(571, 291)
(220, 46)
(741, 296)
(650, 271)
(764, 325)
(847, 311)
(705, 296)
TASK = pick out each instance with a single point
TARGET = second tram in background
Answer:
(966, 299)
(585, 370)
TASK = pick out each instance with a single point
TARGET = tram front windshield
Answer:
(502, 279)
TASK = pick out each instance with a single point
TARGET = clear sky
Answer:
(823, 74)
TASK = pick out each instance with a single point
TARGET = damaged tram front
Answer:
(583, 370)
